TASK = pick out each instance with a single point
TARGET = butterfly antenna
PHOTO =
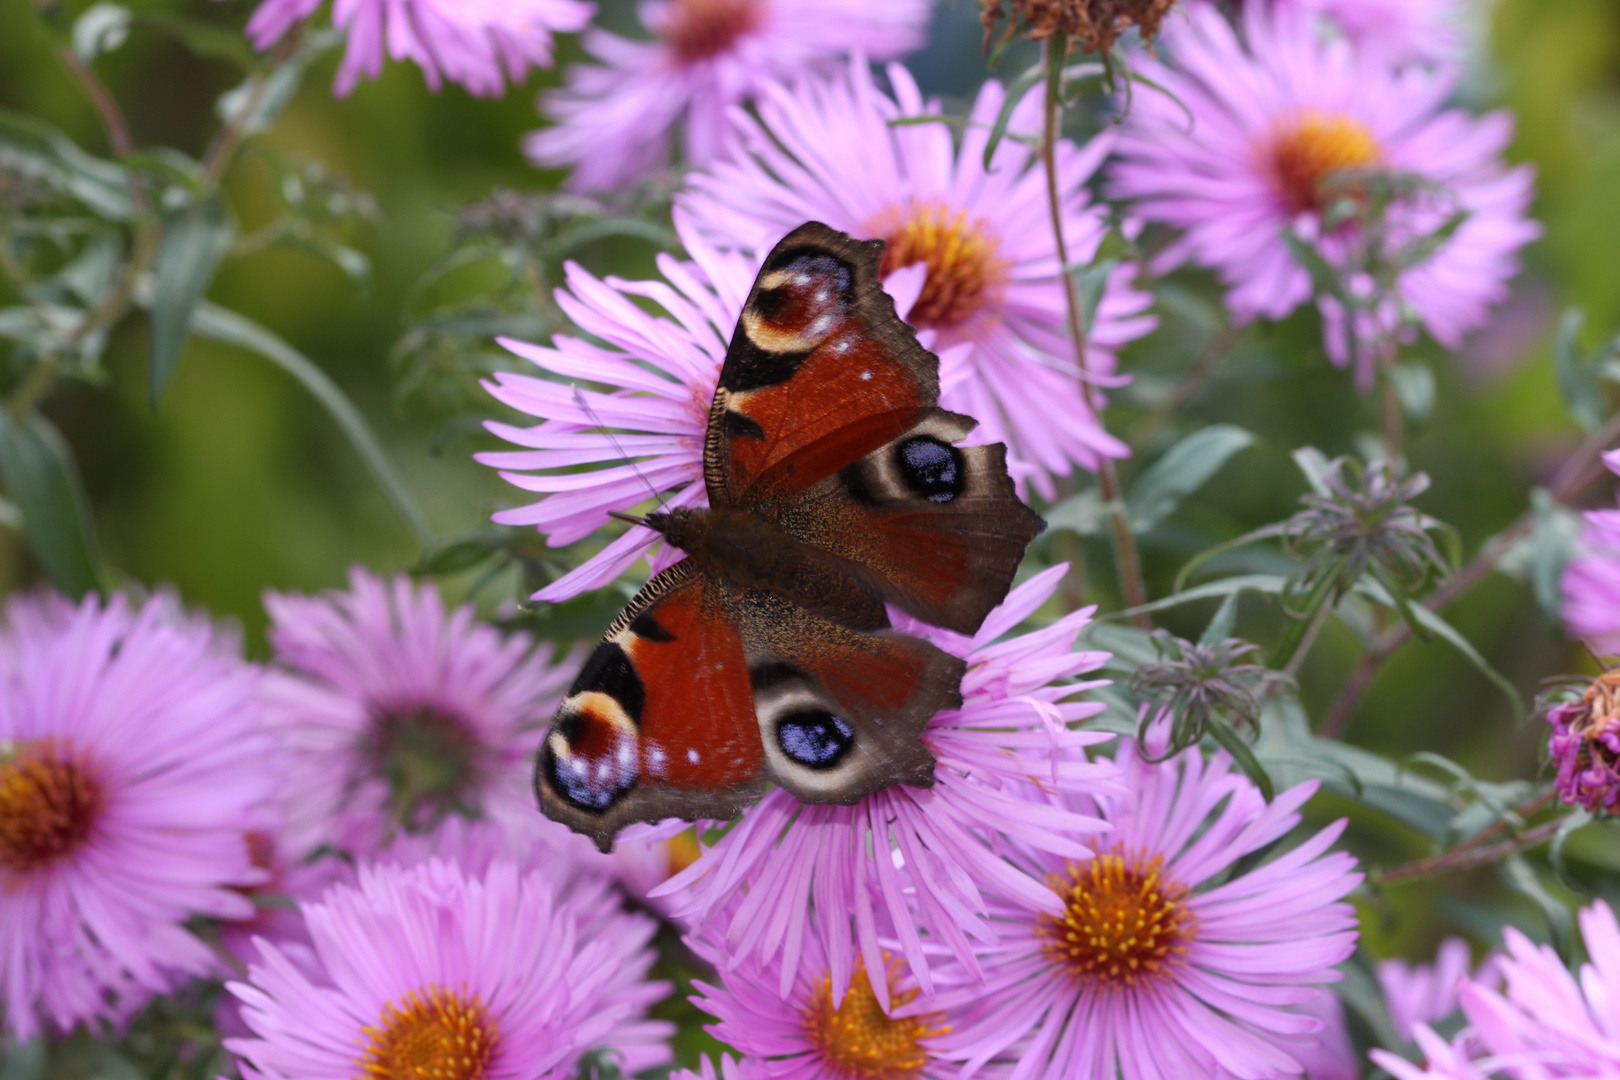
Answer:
(579, 398)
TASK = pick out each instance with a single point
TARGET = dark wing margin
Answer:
(820, 371)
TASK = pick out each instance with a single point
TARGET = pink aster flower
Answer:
(476, 43)
(1548, 1022)
(801, 1028)
(706, 1071)
(1149, 970)
(923, 859)
(1424, 993)
(664, 369)
(1286, 125)
(427, 969)
(394, 712)
(1428, 31)
(132, 769)
(615, 120)
(991, 299)
(1591, 581)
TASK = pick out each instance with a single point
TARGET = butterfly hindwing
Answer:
(660, 722)
(939, 527)
(841, 712)
(820, 371)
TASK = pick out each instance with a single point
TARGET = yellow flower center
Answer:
(699, 29)
(436, 1035)
(965, 272)
(1312, 146)
(859, 1041)
(1122, 922)
(49, 802)
(683, 851)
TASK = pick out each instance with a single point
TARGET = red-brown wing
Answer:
(820, 371)
(938, 529)
(660, 722)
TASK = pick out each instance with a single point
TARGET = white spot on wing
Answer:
(866, 376)
(692, 756)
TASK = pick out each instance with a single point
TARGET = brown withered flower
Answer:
(1090, 25)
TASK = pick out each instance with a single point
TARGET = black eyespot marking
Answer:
(932, 469)
(737, 426)
(610, 672)
(572, 782)
(749, 367)
(812, 261)
(650, 629)
(815, 739)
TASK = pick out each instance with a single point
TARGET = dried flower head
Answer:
(1193, 684)
(1092, 25)
(1359, 522)
(1585, 745)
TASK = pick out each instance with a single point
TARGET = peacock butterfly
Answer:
(835, 487)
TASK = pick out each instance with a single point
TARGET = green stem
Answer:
(1128, 561)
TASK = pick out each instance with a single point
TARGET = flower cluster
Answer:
(157, 790)
(478, 44)
(1302, 151)
(1546, 1021)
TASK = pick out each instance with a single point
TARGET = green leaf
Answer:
(458, 554)
(1361, 993)
(1090, 283)
(1182, 470)
(1220, 627)
(1015, 94)
(205, 39)
(101, 29)
(102, 186)
(1577, 377)
(1315, 465)
(1577, 819)
(218, 324)
(1413, 382)
(1244, 758)
(1082, 513)
(1263, 583)
(26, 1061)
(194, 241)
(255, 110)
(42, 479)
(1440, 628)
(1522, 878)
(1554, 529)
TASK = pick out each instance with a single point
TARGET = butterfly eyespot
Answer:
(931, 468)
(589, 785)
(815, 738)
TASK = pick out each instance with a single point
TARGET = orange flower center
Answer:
(859, 1041)
(964, 271)
(1122, 922)
(1313, 146)
(699, 29)
(49, 803)
(436, 1035)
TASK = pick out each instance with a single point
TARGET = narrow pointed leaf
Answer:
(40, 476)
(218, 324)
(1181, 471)
(194, 240)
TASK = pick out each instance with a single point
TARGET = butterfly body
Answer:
(836, 489)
